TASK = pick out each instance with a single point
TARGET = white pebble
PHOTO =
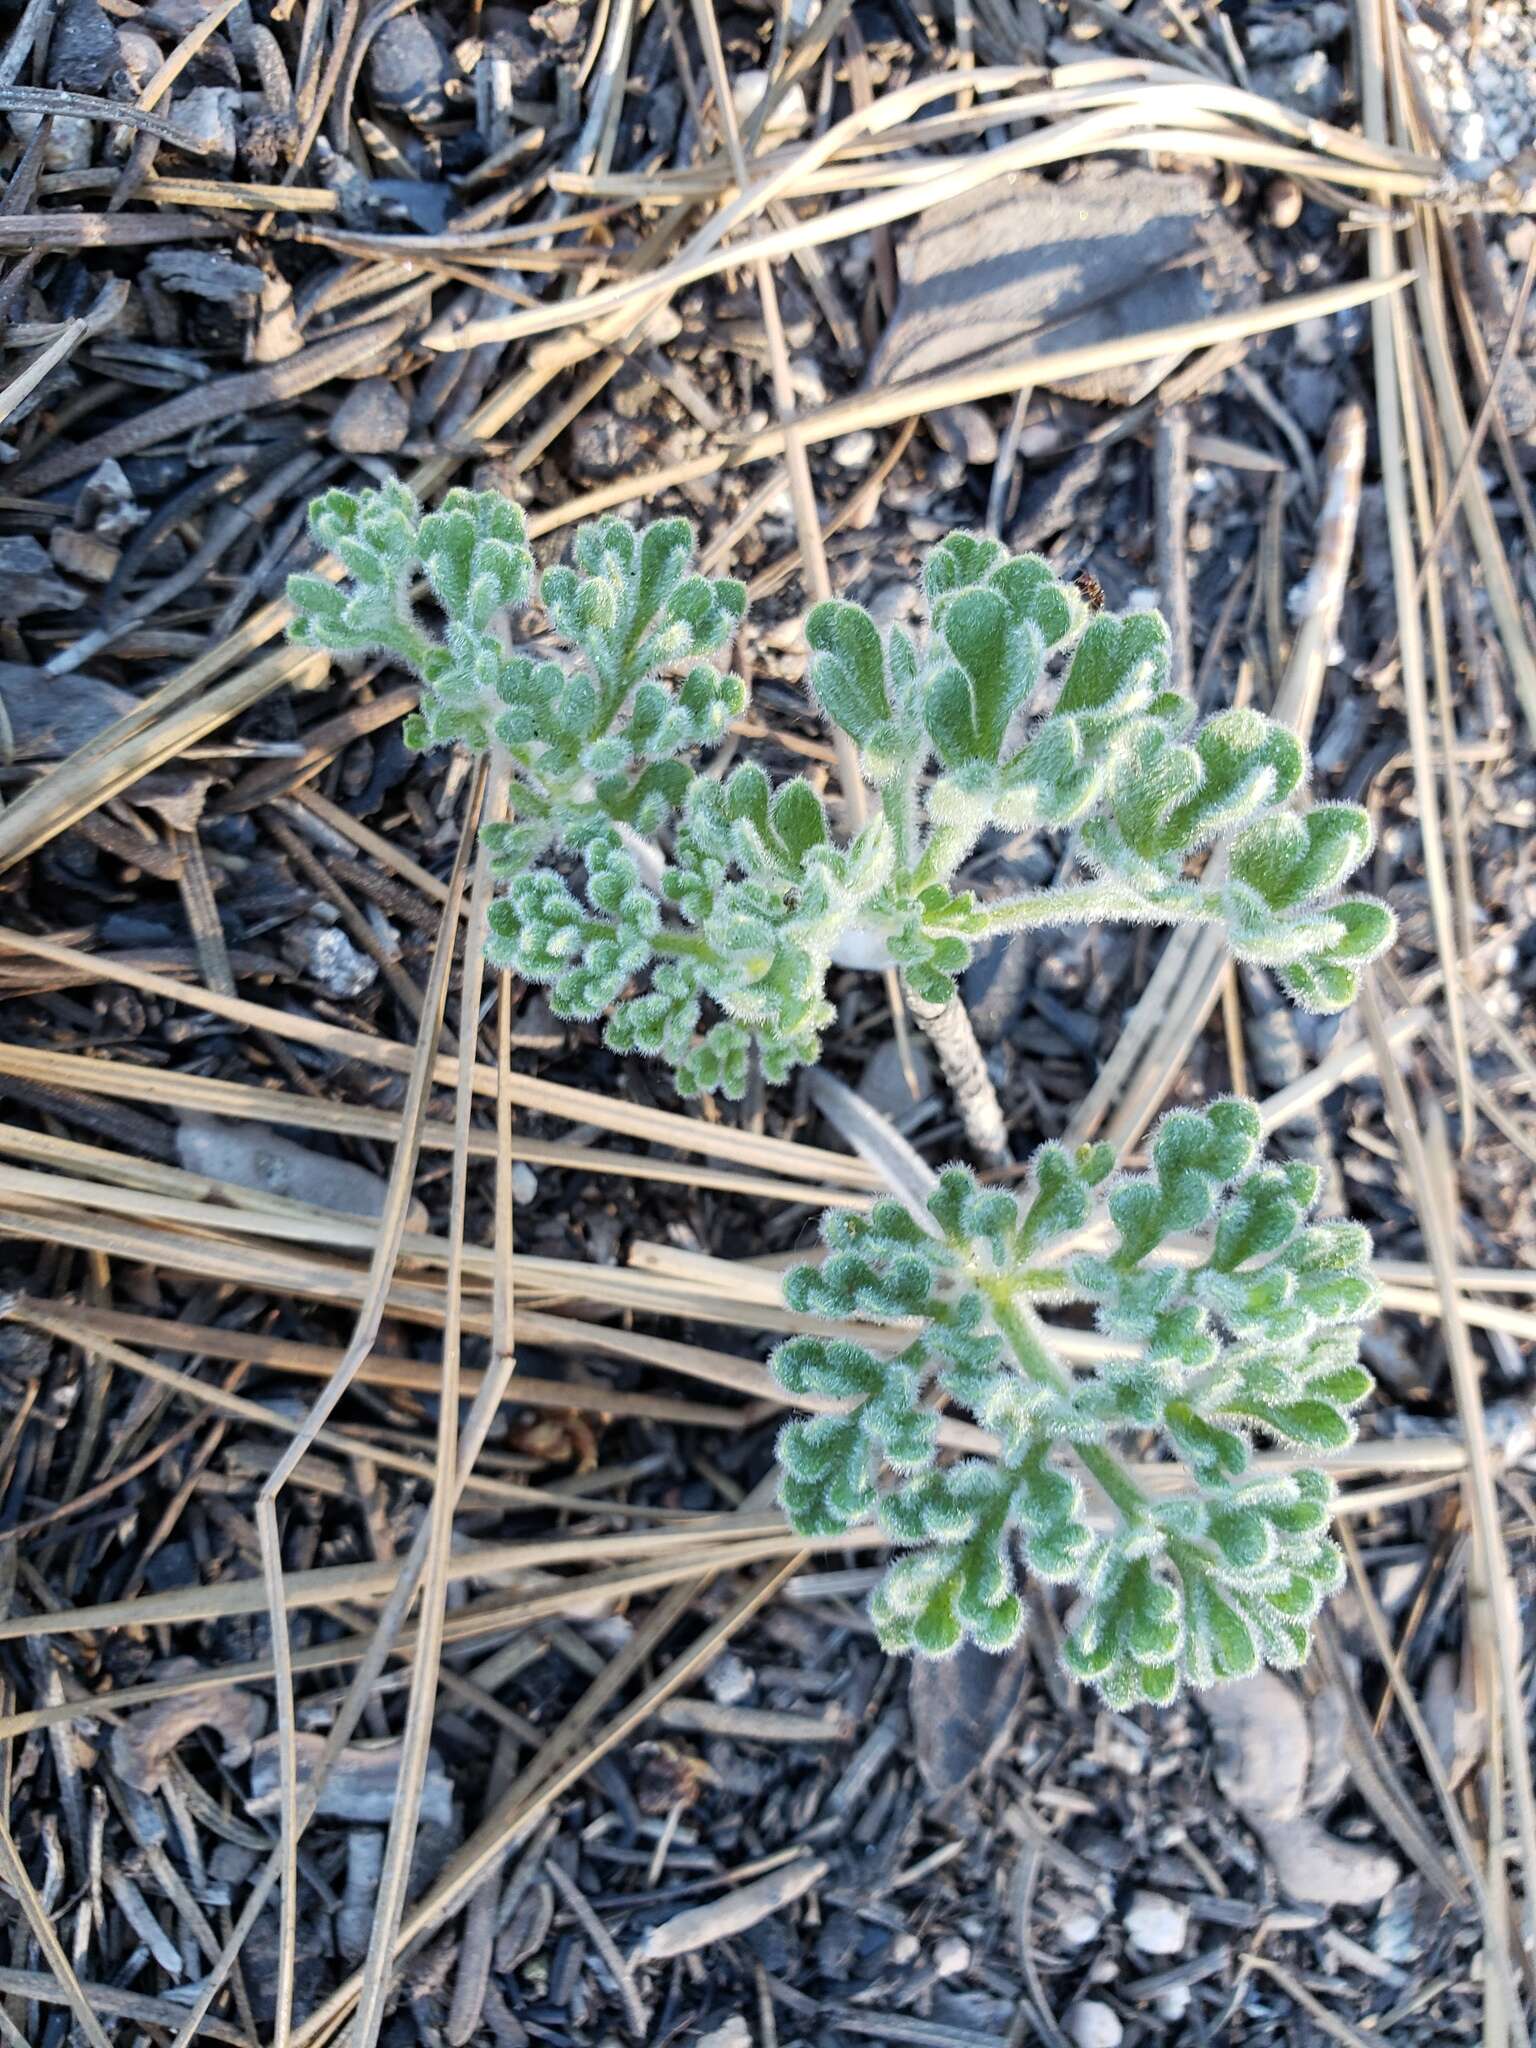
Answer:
(790, 115)
(525, 1182)
(1173, 2003)
(1157, 1926)
(1091, 2025)
(951, 1957)
(328, 956)
(1397, 1585)
(805, 375)
(734, 2034)
(69, 143)
(729, 1680)
(855, 450)
(1080, 1927)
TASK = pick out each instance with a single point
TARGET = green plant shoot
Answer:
(1247, 1325)
(702, 915)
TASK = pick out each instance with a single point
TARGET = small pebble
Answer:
(106, 503)
(82, 51)
(138, 54)
(1282, 203)
(373, 419)
(29, 579)
(1173, 2003)
(805, 375)
(1120, 1751)
(69, 143)
(945, 473)
(329, 957)
(231, 1863)
(855, 450)
(557, 20)
(208, 111)
(734, 2034)
(525, 1182)
(1078, 1928)
(407, 68)
(951, 1957)
(789, 116)
(1396, 1937)
(1397, 1585)
(1092, 2025)
(1307, 82)
(905, 1947)
(964, 431)
(730, 1680)
(1158, 1926)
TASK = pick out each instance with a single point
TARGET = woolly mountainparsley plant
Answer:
(709, 911)
(1255, 1329)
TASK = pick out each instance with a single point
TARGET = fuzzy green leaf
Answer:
(1257, 1336)
(848, 669)
(1116, 659)
(1010, 710)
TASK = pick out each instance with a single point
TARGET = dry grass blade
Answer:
(1394, 425)
(722, 1542)
(235, 1406)
(1112, 126)
(1495, 1936)
(312, 365)
(661, 1126)
(1151, 1007)
(244, 1100)
(320, 1361)
(109, 306)
(141, 739)
(496, 1617)
(1345, 1063)
(371, 1314)
(1430, 1172)
(1486, 414)
(928, 394)
(325, 1585)
(1321, 2015)
(401, 1840)
(79, 106)
(89, 777)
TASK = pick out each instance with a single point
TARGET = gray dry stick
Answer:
(102, 231)
(80, 106)
(224, 398)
